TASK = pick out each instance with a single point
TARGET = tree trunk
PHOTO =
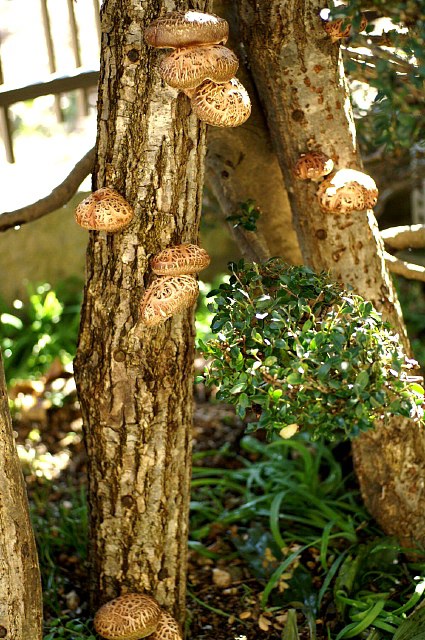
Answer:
(241, 165)
(20, 585)
(300, 79)
(135, 383)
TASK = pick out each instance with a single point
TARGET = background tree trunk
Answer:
(241, 164)
(20, 585)
(300, 80)
(135, 384)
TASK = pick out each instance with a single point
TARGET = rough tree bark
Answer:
(135, 384)
(300, 80)
(20, 584)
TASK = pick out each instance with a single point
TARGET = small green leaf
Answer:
(238, 388)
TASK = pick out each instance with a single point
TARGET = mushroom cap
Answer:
(167, 296)
(180, 259)
(104, 210)
(167, 629)
(334, 28)
(128, 617)
(313, 166)
(188, 68)
(222, 105)
(347, 190)
(185, 29)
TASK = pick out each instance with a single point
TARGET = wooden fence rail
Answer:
(56, 82)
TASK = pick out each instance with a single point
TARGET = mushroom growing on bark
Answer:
(335, 31)
(175, 30)
(347, 190)
(313, 166)
(104, 210)
(188, 68)
(167, 296)
(222, 105)
(180, 259)
(200, 66)
(129, 617)
(167, 629)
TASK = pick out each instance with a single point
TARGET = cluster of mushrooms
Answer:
(340, 191)
(200, 66)
(134, 616)
(176, 288)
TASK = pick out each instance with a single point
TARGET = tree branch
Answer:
(405, 237)
(56, 199)
(378, 52)
(405, 269)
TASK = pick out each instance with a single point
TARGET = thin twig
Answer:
(379, 52)
(56, 199)
(405, 269)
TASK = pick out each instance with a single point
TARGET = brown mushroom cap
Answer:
(188, 68)
(222, 105)
(313, 166)
(347, 190)
(167, 629)
(180, 259)
(177, 29)
(335, 31)
(128, 617)
(104, 210)
(167, 296)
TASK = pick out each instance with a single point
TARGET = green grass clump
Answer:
(293, 504)
(293, 349)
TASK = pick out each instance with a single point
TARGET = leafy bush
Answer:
(35, 333)
(294, 349)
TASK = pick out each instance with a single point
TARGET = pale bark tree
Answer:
(299, 76)
(134, 383)
(20, 584)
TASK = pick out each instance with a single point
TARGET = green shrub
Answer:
(295, 350)
(34, 333)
